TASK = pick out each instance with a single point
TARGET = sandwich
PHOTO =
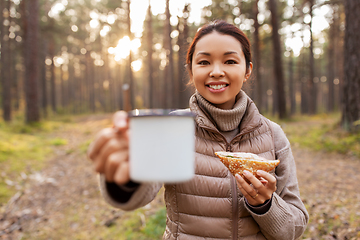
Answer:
(237, 162)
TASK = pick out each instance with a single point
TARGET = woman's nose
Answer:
(217, 71)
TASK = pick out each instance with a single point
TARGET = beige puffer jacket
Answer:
(210, 206)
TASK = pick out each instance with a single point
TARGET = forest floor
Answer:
(62, 201)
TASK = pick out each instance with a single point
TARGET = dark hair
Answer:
(225, 28)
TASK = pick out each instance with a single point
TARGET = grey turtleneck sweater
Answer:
(227, 121)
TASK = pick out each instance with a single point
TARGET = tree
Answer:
(279, 96)
(257, 58)
(130, 72)
(31, 21)
(351, 96)
(169, 69)
(183, 28)
(52, 74)
(5, 60)
(312, 88)
(331, 63)
(150, 51)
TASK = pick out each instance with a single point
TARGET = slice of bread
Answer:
(237, 162)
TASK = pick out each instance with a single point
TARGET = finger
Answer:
(102, 137)
(113, 162)
(263, 181)
(122, 174)
(120, 121)
(271, 180)
(246, 189)
(253, 197)
(254, 181)
(113, 145)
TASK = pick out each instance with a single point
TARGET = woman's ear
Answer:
(248, 71)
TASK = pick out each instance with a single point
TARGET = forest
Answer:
(67, 66)
(88, 56)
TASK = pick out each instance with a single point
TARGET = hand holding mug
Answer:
(110, 150)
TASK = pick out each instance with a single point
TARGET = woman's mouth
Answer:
(217, 87)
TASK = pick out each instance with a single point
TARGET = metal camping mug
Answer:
(162, 145)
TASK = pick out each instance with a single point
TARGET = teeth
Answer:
(216, 87)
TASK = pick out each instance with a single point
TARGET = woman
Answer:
(214, 204)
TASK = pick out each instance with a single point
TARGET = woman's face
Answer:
(219, 69)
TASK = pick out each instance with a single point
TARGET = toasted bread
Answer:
(237, 162)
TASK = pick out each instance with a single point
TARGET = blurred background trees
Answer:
(73, 57)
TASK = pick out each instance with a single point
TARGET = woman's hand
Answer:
(258, 191)
(110, 150)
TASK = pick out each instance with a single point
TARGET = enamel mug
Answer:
(162, 145)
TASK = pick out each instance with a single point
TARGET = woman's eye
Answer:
(231, 62)
(203, 62)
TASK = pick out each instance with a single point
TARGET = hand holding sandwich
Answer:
(110, 150)
(252, 174)
(258, 191)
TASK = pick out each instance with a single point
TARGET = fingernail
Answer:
(245, 172)
(237, 176)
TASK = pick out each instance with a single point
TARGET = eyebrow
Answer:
(208, 54)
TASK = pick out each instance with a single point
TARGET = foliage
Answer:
(322, 133)
(24, 148)
(153, 228)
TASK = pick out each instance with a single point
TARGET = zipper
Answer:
(241, 134)
(235, 209)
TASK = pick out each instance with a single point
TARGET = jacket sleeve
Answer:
(127, 198)
(287, 217)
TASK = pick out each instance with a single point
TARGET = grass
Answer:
(135, 228)
(24, 148)
(140, 224)
(321, 133)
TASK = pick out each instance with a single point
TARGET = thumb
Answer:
(120, 121)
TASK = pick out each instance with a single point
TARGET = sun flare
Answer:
(123, 48)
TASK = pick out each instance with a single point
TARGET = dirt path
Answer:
(63, 201)
(329, 185)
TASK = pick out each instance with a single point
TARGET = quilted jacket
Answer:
(210, 206)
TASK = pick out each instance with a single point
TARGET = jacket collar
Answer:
(251, 118)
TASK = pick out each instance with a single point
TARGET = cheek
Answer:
(197, 75)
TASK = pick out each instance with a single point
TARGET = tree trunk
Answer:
(89, 78)
(291, 85)
(44, 100)
(52, 75)
(257, 57)
(130, 73)
(303, 87)
(62, 88)
(312, 88)
(331, 63)
(150, 57)
(5, 60)
(31, 62)
(351, 89)
(185, 89)
(169, 69)
(279, 93)
(72, 87)
(16, 85)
